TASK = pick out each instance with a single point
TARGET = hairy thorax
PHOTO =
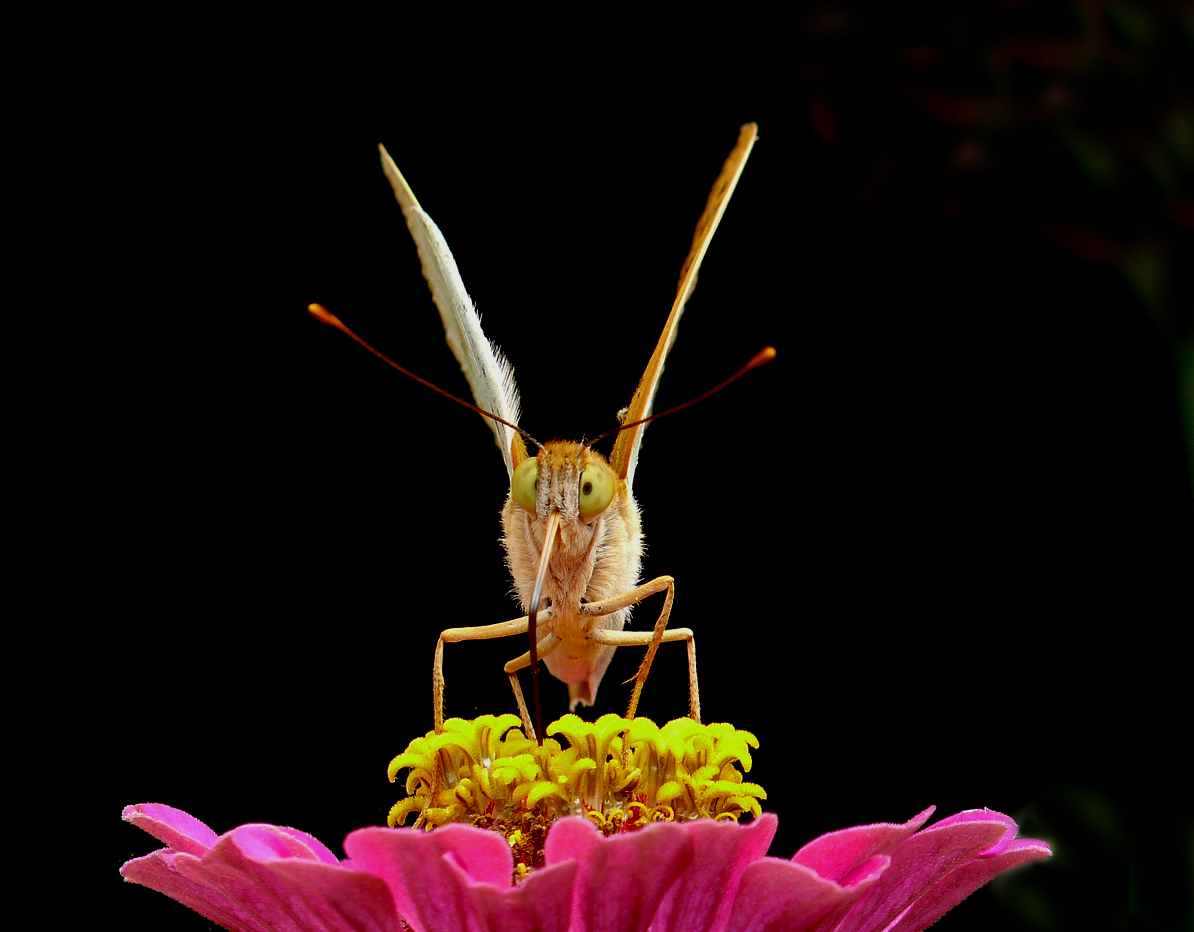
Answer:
(592, 560)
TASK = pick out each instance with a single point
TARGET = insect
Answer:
(571, 526)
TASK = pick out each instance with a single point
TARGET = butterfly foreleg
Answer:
(453, 635)
(651, 640)
(542, 649)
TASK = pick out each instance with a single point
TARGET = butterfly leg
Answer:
(542, 649)
(453, 635)
(528, 729)
(650, 640)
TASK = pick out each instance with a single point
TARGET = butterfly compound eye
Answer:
(522, 486)
(596, 491)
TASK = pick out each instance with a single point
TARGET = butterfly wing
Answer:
(489, 374)
(625, 455)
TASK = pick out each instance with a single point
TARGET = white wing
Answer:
(489, 374)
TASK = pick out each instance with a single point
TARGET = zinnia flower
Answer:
(704, 874)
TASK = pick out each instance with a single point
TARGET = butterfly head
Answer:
(569, 478)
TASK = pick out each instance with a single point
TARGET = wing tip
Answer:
(406, 197)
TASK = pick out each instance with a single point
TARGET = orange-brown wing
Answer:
(625, 456)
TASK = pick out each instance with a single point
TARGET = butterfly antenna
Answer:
(761, 358)
(321, 313)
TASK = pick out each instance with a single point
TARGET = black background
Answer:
(905, 546)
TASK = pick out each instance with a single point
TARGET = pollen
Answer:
(619, 773)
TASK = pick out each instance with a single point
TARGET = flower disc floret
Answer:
(619, 773)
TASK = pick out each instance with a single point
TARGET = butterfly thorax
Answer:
(592, 560)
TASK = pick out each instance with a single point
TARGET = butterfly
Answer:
(571, 527)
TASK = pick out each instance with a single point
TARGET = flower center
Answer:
(621, 774)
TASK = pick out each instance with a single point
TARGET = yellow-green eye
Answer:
(596, 491)
(522, 486)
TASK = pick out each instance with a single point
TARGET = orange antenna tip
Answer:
(319, 312)
(761, 358)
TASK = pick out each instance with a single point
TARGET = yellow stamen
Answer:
(621, 774)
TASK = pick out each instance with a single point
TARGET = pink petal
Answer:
(916, 865)
(257, 878)
(781, 896)
(157, 872)
(959, 884)
(982, 815)
(541, 903)
(175, 828)
(186, 834)
(313, 844)
(621, 880)
(286, 894)
(835, 855)
(459, 877)
(701, 900)
(270, 842)
(340, 898)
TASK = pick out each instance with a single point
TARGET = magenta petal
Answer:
(245, 869)
(701, 900)
(836, 855)
(173, 827)
(311, 843)
(780, 896)
(157, 872)
(622, 880)
(541, 903)
(916, 865)
(959, 884)
(340, 898)
(433, 876)
(258, 878)
(983, 815)
(263, 842)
